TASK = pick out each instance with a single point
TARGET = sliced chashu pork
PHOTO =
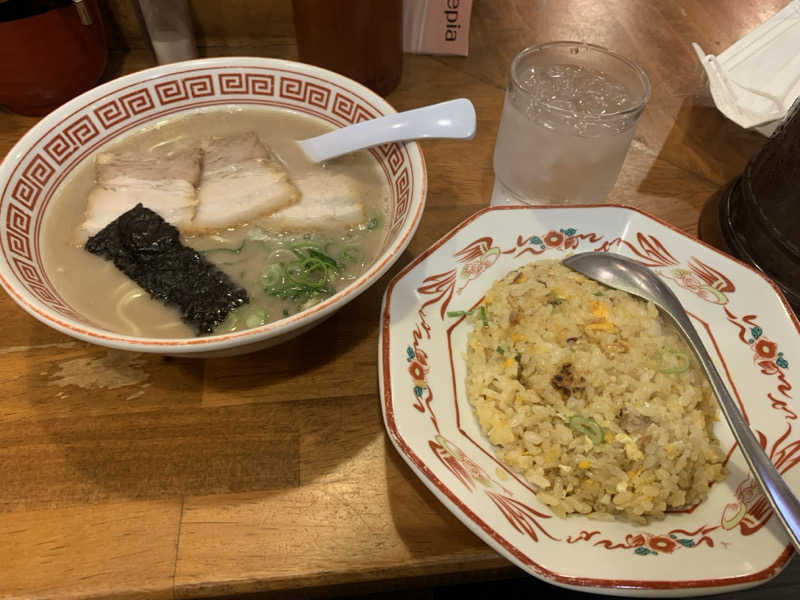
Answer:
(163, 182)
(327, 202)
(240, 182)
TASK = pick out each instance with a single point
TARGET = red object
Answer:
(49, 58)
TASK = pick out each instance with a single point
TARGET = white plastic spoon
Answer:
(451, 119)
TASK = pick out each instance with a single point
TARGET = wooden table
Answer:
(140, 476)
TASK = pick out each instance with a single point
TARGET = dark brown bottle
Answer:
(757, 217)
(362, 39)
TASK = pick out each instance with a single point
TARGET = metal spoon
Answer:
(451, 119)
(625, 274)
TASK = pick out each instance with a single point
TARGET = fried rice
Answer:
(592, 395)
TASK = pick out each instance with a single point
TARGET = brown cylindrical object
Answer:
(773, 177)
(757, 218)
(362, 39)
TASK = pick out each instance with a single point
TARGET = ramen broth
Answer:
(283, 272)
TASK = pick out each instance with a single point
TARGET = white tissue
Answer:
(755, 81)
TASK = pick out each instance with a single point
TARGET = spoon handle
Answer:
(451, 119)
(780, 496)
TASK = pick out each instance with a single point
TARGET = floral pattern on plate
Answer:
(730, 541)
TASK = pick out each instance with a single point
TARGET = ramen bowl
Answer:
(50, 152)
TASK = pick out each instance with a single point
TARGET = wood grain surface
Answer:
(136, 476)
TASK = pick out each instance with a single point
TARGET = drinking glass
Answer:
(569, 115)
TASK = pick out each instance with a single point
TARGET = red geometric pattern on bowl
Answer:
(63, 145)
(393, 157)
(121, 109)
(32, 181)
(17, 226)
(304, 91)
(60, 148)
(246, 83)
(184, 88)
(402, 192)
(349, 110)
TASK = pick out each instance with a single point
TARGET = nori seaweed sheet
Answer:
(148, 250)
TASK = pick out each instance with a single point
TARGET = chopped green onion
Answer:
(254, 234)
(588, 427)
(300, 292)
(226, 250)
(500, 350)
(598, 294)
(460, 313)
(256, 318)
(456, 313)
(323, 257)
(297, 269)
(302, 249)
(372, 223)
(312, 272)
(306, 274)
(680, 363)
(350, 254)
(517, 357)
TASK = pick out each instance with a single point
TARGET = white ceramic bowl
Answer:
(731, 541)
(51, 150)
